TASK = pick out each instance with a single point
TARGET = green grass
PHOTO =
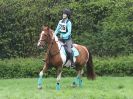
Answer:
(101, 88)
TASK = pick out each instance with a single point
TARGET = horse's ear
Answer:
(44, 28)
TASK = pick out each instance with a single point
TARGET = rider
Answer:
(64, 28)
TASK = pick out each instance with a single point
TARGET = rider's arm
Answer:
(57, 29)
(69, 29)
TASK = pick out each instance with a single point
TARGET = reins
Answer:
(51, 44)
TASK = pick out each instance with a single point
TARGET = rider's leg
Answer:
(69, 49)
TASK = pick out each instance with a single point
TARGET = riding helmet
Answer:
(68, 12)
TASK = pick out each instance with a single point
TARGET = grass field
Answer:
(101, 88)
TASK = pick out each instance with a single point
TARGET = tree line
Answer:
(104, 26)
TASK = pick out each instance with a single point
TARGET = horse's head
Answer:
(45, 36)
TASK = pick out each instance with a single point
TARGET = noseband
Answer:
(51, 44)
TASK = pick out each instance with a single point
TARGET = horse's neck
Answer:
(53, 47)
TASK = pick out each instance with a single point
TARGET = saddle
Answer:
(75, 52)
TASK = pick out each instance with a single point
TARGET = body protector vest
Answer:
(63, 26)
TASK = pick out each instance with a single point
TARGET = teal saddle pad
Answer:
(74, 50)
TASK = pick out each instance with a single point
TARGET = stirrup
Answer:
(73, 65)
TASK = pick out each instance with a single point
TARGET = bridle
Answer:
(51, 45)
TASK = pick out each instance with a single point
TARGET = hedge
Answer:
(105, 26)
(116, 66)
(30, 67)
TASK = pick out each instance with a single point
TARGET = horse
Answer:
(56, 57)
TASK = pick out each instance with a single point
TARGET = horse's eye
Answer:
(45, 35)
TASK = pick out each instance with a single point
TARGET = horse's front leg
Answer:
(41, 75)
(59, 72)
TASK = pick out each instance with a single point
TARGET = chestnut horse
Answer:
(56, 57)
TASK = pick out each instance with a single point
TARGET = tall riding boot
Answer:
(72, 61)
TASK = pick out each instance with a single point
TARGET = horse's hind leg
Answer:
(78, 81)
(59, 72)
(41, 75)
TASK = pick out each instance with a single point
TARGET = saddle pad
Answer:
(75, 51)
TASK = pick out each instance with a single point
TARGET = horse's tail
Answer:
(90, 68)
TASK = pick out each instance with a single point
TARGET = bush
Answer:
(105, 26)
(19, 68)
(27, 67)
(30, 67)
(117, 66)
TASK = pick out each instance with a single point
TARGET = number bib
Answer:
(63, 27)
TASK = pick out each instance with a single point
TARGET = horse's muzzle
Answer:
(39, 45)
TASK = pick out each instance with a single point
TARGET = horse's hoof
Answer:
(39, 87)
(73, 85)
